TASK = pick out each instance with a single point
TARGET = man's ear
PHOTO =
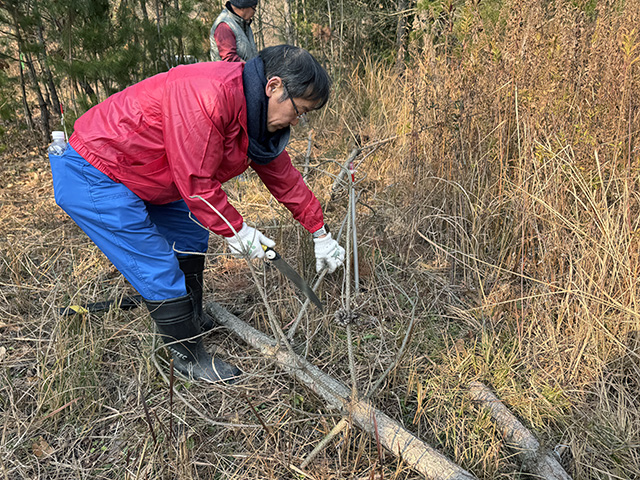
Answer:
(273, 84)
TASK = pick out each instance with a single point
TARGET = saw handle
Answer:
(270, 253)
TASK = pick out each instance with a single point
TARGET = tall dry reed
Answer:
(518, 164)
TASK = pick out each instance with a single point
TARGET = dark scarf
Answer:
(263, 145)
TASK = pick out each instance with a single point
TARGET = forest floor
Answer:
(82, 395)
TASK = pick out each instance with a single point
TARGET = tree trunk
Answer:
(143, 8)
(44, 110)
(258, 29)
(23, 88)
(53, 90)
(400, 35)
(157, 4)
(180, 53)
(15, 24)
(331, 39)
(89, 91)
(145, 40)
(288, 23)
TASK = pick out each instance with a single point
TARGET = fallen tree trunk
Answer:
(413, 451)
(534, 459)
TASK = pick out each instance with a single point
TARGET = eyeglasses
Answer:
(301, 116)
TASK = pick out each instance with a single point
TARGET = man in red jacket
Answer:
(139, 164)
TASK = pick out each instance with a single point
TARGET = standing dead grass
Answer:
(516, 184)
(518, 181)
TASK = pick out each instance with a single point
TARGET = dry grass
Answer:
(505, 212)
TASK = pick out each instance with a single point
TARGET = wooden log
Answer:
(534, 459)
(414, 452)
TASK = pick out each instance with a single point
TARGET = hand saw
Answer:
(286, 269)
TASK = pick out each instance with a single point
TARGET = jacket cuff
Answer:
(321, 231)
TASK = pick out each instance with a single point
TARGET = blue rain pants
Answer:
(139, 238)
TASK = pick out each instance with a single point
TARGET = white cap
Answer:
(57, 135)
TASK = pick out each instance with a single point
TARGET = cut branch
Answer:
(413, 451)
(534, 459)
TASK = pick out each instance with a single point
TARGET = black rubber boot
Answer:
(193, 268)
(175, 321)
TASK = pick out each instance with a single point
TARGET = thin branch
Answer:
(305, 305)
(401, 352)
(307, 156)
(258, 416)
(322, 444)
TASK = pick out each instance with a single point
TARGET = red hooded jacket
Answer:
(183, 133)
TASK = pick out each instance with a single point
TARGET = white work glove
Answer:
(329, 254)
(249, 241)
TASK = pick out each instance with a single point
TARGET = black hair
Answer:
(301, 73)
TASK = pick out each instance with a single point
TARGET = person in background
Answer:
(231, 36)
(140, 164)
